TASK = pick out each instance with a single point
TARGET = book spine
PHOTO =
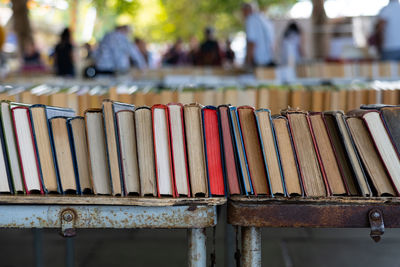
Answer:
(74, 160)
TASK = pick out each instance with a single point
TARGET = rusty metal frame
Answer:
(251, 214)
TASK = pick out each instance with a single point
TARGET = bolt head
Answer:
(376, 215)
(67, 216)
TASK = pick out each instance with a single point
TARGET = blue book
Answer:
(240, 152)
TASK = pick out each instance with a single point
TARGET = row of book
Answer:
(315, 98)
(193, 150)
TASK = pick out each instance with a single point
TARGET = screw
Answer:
(376, 215)
(68, 216)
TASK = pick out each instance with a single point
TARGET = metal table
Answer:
(253, 213)
(71, 212)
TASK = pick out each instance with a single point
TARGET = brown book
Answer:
(97, 151)
(80, 148)
(270, 151)
(310, 171)
(128, 150)
(287, 156)
(228, 152)
(62, 148)
(252, 147)
(329, 165)
(195, 149)
(145, 151)
(342, 156)
(369, 156)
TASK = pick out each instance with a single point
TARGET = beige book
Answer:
(40, 126)
(327, 155)
(145, 151)
(287, 156)
(62, 148)
(186, 97)
(139, 99)
(78, 132)
(84, 103)
(306, 155)
(231, 96)
(128, 149)
(97, 152)
(369, 156)
(270, 152)
(195, 149)
(263, 98)
(317, 102)
(59, 100)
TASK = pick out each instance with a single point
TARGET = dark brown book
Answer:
(370, 157)
(228, 151)
(342, 157)
(329, 165)
(253, 150)
(310, 172)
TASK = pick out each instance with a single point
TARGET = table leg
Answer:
(251, 247)
(197, 252)
(38, 246)
(69, 252)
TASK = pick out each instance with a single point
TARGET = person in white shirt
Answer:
(115, 52)
(260, 37)
(389, 23)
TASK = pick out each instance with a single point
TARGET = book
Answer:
(310, 172)
(228, 150)
(113, 154)
(6, 181)
(97, 152)
(270, 152)
(128, 150)
(241, 159)
(195, 149)
(370, 157)
(11, 148)
(178, 149)
(162, 151)
(80, 153)
(48, 166)
(325, 152)
(212, 146)
(145, 151)
(383, 144)
(346, 156)
(27, 150)
(287, 156)
(63, 153)
(252, 146)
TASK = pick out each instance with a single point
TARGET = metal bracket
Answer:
(68, 217)
(376, 223)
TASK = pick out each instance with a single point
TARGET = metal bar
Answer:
(38, 246)
(229, 245)
(197, 253)
(329, 215)
(69, 252)
(251, 246)
(49, 216)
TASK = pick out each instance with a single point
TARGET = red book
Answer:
(27, 150)
(212, 143)
(162, 151)
(228, 152)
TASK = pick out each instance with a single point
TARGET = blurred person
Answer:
(175, 54)
(142, 47)
(229, 54)
(340, 42)
(291, 45)
(209, 52)
(115, 52)
(32, 60)
(193, 54)
(260, 37)
(63, 55)
(387, 28)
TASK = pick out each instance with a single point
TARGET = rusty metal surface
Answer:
(377, 225)
(313, 214)
(251, 247)
(197, 252)
(92, 216)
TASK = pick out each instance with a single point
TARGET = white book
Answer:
(23, 133)
(162, 151)
(178, 149)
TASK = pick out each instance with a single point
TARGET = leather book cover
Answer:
(252, 147)
(231, 171)
(6, 160)
(213, 149)
(391, 118)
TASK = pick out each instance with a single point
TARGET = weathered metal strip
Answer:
(197, 252)
(329, 215)
(251, 247)
(92, 216)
